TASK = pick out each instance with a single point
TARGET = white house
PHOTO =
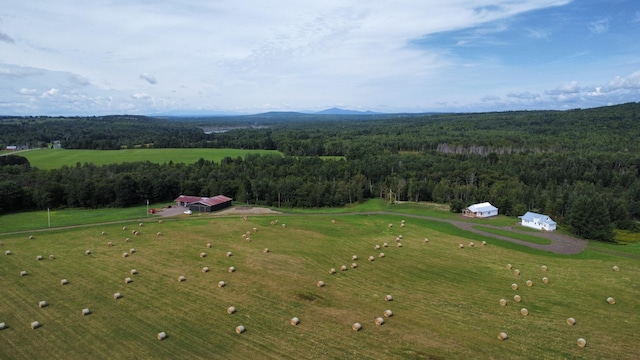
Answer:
(538, 221)
(481, 210)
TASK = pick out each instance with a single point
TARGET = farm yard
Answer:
(445, 292)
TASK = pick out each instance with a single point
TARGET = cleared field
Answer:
(445, 299)
(56, 158)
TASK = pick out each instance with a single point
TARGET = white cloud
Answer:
(6, 38)
(630, 82)
(141, 96)
(25, 91)
(599, 26)
(50, 93)
(525, 95)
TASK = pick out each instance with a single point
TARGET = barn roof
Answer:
(482, 207)
(535, 217)
(209, 201)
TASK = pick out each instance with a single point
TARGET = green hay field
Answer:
(445, 300)
(56, 158)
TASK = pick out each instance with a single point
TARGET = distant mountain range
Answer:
(338, 111)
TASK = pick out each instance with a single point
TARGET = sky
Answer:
(98, 57)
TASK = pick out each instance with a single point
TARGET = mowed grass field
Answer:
(445, 299)
(56, 158)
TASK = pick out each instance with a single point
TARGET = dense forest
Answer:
(578, 166)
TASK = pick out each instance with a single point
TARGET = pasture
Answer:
(56, 158)
(445, 299)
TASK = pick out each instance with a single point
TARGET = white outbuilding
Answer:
(537, 221)
(481, 210)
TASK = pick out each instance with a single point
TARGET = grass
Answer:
(524, 237)
(445, 299)
(56, 158)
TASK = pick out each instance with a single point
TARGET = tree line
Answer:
(580, 167)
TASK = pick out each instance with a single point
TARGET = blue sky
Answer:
(76, 57)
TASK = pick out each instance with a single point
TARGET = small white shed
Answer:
(537, 221)
(481, 210)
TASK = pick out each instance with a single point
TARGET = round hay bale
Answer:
(332, 271)
(320, 283)
(203, 254)
(426, 240)
(400, 237)
(516, 272)
(124, 228)
(42, 304)
(110, 243)
(377, 247)
(141, 224)
(517, 298)
(514, 286)
(221, 284)
(508, 266)
(125, 254)
(390, 225)
(544, 268)
(571, 321)
(248, 239)
(205, 269)
(231, 269)
(354, 257)
(333, 221)
(273, 222)
(385, 245)
(181, 278)
(2, 326)
(136, 233)
(133, 231)
(615, 268)
(240, 329)
(248, 233)
(39, 257)
(371, 258)
(502, 336)
(88, 252)
(229, 254)
(255, 229)
(381, 255)
(524, 311)
(460, 246)
(266, 250)
(64, 282)
(295, 321)
(388, 313)
(31, 237)
(104, 233)
(85, 312)
(231, 310)
(529, 283)
(379, 321)
(354, 265)
(8, 252)
(160, 221)
(132, 250)
(284, 226)
(117, 296)
(545, 280)
(35, 325)
(51, 257)
(399, 245)
(503, 302)
(611, 300)
(471, 244)
(127, 240)
(23, 273)
(127, 280)
(134, 272)
(582, 342)
(356, 327)
(158, 234)
(484, 243)
(162, 335)
(388, 298)
(343, 268)
(209, 245)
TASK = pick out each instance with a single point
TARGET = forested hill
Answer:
(612, 128)
(581, 167)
